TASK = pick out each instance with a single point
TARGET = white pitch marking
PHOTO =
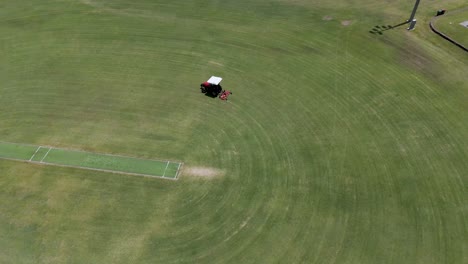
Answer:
(45, 155)
(167, 165)
(177, 173)
(34, 153)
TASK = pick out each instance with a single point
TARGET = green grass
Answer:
(449, 24)
(87, 160)
(15, 151)
(337, 145)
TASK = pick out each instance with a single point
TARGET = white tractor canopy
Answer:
(215, 80)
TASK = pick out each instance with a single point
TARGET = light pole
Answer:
(411, 20)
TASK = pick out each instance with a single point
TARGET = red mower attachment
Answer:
(224, 95)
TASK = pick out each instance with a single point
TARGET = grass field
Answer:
(337, 145)
(449, 24)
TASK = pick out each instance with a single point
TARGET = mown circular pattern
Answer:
(336, 146)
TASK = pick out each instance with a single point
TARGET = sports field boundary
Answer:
(41, 159)
(435, 30)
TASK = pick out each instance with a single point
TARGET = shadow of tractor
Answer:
(212, 91)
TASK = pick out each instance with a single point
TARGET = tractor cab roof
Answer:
(215, 80)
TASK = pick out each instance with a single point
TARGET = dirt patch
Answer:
(203, 172)
(327, 18)
(346, 22)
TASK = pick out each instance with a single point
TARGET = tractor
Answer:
(212, 87)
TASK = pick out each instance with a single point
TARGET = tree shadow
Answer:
(379, 29)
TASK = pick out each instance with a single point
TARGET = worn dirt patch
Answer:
(203, 172)
(346, 22)
(327, 18)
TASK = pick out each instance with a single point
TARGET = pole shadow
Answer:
(380, 29)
